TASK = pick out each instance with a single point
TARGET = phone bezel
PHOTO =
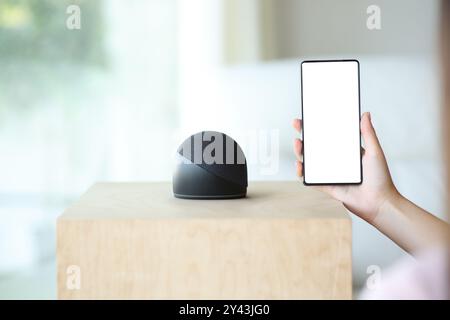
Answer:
(359, 125)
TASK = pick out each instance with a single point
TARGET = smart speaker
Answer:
(211, 165)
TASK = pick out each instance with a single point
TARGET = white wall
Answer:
(311, 27)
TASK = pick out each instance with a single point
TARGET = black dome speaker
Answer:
(211, 166)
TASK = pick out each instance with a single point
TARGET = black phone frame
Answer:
(359, 108)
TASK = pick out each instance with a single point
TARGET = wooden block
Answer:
(136, 241)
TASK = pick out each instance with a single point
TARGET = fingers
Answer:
(297, 124)
(298, 145)
(298, 155)
(369, 135)
(299, 166)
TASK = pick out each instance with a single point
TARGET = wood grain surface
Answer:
(136, 241)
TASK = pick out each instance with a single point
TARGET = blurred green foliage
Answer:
(41, 60)
(36, 30)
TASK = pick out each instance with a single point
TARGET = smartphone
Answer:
(331, 113)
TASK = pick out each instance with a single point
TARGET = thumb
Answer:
(372, 145)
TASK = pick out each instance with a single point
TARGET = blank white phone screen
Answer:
(331, 115)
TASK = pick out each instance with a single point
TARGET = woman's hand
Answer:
(366, 199)
(378, 202)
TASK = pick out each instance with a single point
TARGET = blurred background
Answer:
(112, 101)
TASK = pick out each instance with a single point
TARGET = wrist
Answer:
(389, 205)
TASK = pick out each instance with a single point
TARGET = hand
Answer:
(366, 199)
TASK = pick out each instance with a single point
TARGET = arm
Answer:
(410, 226)
(377, 200)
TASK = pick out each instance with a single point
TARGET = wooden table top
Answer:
(139, 200)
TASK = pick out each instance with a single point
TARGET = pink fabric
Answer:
(426, 277)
